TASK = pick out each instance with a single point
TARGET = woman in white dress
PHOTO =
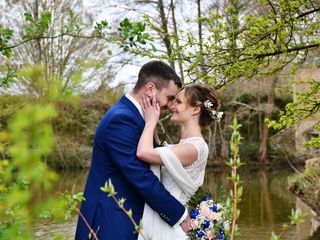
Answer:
(183, 164)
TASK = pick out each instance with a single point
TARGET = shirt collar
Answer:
(135, 103)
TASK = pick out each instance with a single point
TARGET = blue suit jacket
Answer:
(114, 157)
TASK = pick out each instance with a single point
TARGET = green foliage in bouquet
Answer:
(198, 197)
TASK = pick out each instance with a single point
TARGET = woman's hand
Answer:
(151, 112)
(150, 109)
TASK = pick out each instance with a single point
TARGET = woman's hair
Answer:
(204, 96)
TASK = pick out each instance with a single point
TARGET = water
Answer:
(265, 206)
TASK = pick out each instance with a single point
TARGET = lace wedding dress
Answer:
(181, 182)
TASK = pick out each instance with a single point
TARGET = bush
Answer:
(73, 127)
(281, 156)
(249, 151)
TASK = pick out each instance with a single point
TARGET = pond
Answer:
(265, 206)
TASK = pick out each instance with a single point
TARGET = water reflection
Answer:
(266, 203)
(265, 206)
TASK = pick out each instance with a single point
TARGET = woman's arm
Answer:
(151, 112)
(186, 153)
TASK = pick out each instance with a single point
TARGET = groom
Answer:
(114, 157)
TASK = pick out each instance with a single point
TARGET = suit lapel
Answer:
(135, 112)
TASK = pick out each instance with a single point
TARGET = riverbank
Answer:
(78, 117)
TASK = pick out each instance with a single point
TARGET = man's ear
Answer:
(149, 88)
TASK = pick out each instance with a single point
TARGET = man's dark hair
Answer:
(157, 72)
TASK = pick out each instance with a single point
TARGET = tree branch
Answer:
(309, 12)
(256, 56)
(53, 37)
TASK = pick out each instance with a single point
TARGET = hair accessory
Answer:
(214, 114)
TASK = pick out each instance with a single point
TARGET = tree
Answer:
(50, 70)
(63, 57)
(58, 36)
(262, 153)
(234, 43)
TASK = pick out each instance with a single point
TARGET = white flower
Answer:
(214, 114)
(210, 203)
(226, 225)
(208, 104)
(219, 206)
(219, 115)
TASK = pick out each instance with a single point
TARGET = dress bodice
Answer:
(196, 170)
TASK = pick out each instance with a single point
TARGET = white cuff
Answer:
(181, 219)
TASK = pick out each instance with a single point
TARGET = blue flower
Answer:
(221, 235)
(201, 234)
(205, 224)
(194, 214)
(206, 198)
(214, 208)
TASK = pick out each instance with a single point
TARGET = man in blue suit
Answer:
(114, 157)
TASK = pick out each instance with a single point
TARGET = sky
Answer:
(115, 10)
(108, 10)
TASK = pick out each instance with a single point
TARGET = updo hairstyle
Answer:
(196, 95)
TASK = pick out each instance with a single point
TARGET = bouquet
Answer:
(208, 220)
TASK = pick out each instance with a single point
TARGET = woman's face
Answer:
(181, 110)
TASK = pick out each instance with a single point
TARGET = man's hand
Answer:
(185, 225)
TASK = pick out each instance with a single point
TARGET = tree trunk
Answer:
(212, 143)
(165, 35)
(38, 41)
(177, 41)
(263, 149)
(223, 133)
(202, 62)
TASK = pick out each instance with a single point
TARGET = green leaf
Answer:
(240, 191)
(28, 16)
(79, 196)
(129, 212)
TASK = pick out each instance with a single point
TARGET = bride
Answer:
(183, 164)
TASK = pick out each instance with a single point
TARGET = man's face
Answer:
(166, 95)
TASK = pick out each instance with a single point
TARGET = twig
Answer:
(130, 217)
(87, 224)
(235, 190)
(109, 188)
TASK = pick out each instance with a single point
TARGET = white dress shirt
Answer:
(135, 103)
